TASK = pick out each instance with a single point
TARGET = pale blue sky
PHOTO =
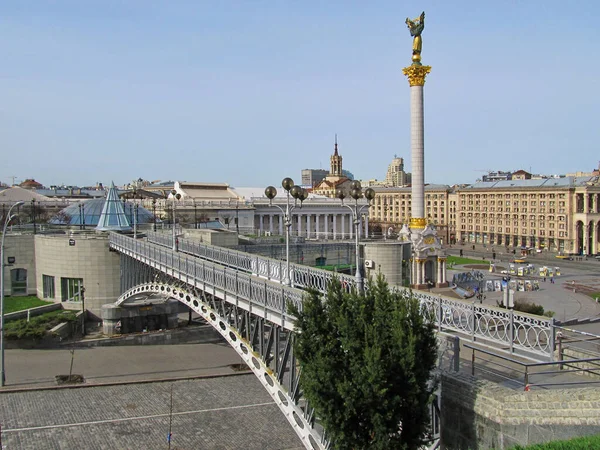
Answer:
(247, 92)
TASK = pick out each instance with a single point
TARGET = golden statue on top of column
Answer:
(416, 28)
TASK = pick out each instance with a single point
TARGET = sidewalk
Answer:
(37, 368)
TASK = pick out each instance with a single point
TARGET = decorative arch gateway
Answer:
(266, 347)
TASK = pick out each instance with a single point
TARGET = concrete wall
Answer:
(222, 238)
(89, 258)
(387, 258)
(479, 414)
(21, 247)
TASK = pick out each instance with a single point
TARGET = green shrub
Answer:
(37, 326)
(528, 307)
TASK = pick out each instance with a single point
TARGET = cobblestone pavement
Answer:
(217, 413)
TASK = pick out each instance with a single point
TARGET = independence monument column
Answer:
(428, 260)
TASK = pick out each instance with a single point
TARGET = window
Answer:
(71, 289)
(48, 286)
(18, 281)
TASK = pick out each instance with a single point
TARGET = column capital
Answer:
(416, 74)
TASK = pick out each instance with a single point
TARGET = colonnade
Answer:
(314, 225)
(419, 278)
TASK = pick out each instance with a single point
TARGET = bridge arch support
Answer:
(264, 346)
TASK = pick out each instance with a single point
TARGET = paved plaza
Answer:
(565, 296)
(232, 412)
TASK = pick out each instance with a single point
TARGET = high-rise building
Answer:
(396, 176)
(312, 177)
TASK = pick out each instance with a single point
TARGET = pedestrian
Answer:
(551, 280)
(493, 255)
(544, 278)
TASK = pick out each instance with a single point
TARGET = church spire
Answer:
(336, 161)
(335, 152)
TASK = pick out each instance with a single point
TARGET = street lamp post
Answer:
(195, 215)
(297, 193)
(7, 220)
(135, 210)
(356, 193)
(175, 196)
(237, 217)
(33, 215)
(154, 214)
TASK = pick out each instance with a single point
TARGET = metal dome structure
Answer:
(88, 213)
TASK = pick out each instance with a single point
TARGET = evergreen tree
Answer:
(367, 364)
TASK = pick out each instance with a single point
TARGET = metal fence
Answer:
(272, 269)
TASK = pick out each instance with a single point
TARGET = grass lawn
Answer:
(581, 443)
(594, 295)
(339, 267)
(457, 260)
(12, 304)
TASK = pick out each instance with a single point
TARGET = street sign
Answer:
(71, 242)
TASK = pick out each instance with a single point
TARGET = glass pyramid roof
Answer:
(112, 217)
(88, 213)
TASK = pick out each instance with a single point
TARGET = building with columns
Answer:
(319, 217)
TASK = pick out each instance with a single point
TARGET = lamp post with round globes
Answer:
(356, 193)
(297, 193)
(135, 213)
(154, 214)
(7, 220)
(175, 196)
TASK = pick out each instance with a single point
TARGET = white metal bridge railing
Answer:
(304, 277)
(506, 330)
(254, 293)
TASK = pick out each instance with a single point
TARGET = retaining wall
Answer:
(478, 414)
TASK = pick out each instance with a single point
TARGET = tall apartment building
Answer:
(395, 176)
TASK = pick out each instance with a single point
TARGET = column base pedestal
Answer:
(420, 287)
(442, 285)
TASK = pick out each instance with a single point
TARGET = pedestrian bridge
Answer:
(243, 297)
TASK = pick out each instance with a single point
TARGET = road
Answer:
(36, 368)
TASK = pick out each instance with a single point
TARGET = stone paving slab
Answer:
(217, 413)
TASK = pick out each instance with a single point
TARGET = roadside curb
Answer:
(122, 383)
